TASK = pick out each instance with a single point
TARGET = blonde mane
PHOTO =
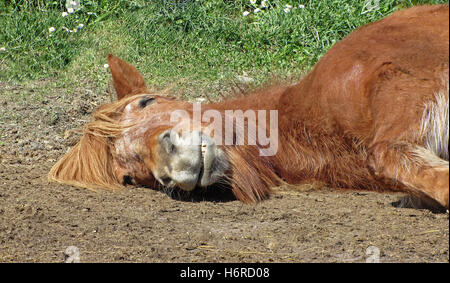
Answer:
(89, 163)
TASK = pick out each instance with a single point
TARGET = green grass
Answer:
(198, 44)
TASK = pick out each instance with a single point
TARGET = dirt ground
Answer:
(39, 221)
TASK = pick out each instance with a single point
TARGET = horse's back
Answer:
(382, 73)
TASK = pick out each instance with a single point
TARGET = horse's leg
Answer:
(419, 170)
(409, 144)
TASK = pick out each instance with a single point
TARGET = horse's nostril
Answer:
(166, 135)
(166, 141)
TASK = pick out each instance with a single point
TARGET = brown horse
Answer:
(372, 115)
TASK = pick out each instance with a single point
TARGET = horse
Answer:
(372, 114)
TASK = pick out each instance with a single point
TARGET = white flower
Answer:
(246, 13)
(70, 10)
(2, 49)
(301, 6)
(64, 14)
(75, 5)
(253, 2)
(80, 26)
(264, 4)
(74, 30)
(288, 6)
(257, 10)
(51, 29)
(89, 13)
(286, 10)
(106, 66)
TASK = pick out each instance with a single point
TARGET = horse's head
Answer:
(155, 145)
(136, 141)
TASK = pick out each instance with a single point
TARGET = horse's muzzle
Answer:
(189, 159)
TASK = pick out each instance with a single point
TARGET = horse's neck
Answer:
(266, 99)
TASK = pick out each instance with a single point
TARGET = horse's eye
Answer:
(145, 101)
(127, 180)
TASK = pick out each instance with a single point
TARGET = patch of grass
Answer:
(199, 44)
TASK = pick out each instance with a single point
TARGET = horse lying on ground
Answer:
(371, 115)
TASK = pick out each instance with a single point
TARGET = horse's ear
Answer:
(126, 79)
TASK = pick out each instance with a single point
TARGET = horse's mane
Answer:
(251, 176)
(89, 163)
